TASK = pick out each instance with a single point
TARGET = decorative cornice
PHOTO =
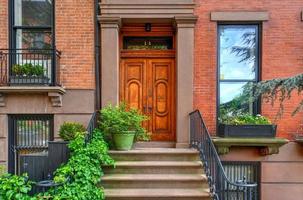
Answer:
(109, 22)
(239, 16)
(55, 93)
(186, 21)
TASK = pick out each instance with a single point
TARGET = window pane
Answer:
(235, 98)
(33, 12)
(33, 39)
(238, 51)
(152, 43)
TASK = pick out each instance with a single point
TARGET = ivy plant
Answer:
(78, 178)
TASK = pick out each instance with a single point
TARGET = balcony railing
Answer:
(221, 187)
(29, 67)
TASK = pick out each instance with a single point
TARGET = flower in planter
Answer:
(246, 119)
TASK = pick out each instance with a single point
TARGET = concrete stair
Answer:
(155, 174)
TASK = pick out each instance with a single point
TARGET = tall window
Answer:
(238, 67)
(32, 24)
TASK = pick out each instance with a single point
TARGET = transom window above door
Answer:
(147, 43)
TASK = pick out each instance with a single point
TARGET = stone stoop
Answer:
(155, 174)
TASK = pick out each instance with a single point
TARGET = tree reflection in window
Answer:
(238, 61)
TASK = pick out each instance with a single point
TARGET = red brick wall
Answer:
(75, 38)
(3, 24)
(282, 54)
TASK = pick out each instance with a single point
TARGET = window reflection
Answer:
(33, 12)
(238, 62)
(238, 50)
(235, 98)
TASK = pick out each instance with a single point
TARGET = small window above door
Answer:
(147, 43)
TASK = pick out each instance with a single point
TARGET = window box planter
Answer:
(30, 80)
(247, 131)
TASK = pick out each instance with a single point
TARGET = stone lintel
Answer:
(239, 16)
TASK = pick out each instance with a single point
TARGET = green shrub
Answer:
(82, 172)
(120, 119)
(14, 187)
(68, 130)
(246, 119)
(79, 177)
(28, 69)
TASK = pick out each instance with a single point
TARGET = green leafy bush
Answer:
(246, 119)
(79, 177)
(28, 69)
(68, 130)
(14, 187)
(120, 119)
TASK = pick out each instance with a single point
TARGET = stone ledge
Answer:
(268, 146)
(55, 93)
(299, 140)
(239, 16)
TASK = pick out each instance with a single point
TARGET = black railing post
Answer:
(54, 67)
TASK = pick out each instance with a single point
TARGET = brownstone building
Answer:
(62, 60)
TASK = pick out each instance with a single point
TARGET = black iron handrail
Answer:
(92, 125)
(29, 67)
(221, 188)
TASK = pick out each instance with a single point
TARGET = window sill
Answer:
(268, 146)
(55, 93)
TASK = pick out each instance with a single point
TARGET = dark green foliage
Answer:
(83, 171)
(28, 69)
(79, 177)
(120, 119)
(246, 119)
(280, 89)
(14, 187)
(68, 130)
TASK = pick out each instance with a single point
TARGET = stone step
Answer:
(157, 194)
(155, 167)
(110, 181)
(156, 154)
(154, 144)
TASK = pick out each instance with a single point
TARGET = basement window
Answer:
(239, 171)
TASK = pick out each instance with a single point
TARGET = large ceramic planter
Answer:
(246, 131)
(124, 141)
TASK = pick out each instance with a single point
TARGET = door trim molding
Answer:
(181, 14)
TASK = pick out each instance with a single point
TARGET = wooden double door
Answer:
(148, 84)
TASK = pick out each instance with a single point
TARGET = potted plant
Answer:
(246, 125)
(28, 73)
(123, 125)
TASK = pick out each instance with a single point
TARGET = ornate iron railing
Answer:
(29, 67)
(93, 123)
(221, 188)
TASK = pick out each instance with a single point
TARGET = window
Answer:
(32, 24)
(147, 43)
(235, 172)
(28, 134)
(238, 63)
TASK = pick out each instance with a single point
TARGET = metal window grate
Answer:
(241, 171)
(28, 134)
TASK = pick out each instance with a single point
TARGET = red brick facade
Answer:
(282, 50)
(75, 39)
(3, 24)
